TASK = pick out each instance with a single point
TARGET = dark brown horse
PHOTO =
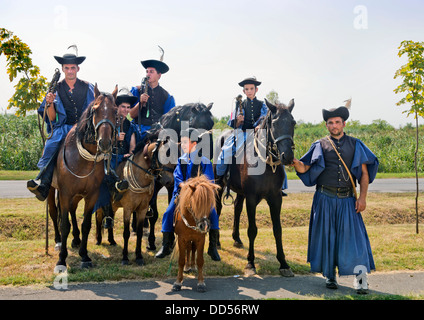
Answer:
(272, 147)
(80, 167)
(195, 202)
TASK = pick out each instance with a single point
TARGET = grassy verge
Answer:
(23, 261)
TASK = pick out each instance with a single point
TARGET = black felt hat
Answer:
(70, 57)
(125, 95)
(159, 65)
(341, 112)
(250, 80)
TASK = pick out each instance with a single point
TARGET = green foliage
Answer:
(20, 143)
(413, 77)
(30, 89)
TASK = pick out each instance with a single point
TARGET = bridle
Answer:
(84, 153)
(196, 221)
(273, 157)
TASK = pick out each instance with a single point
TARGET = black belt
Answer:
(344, 192)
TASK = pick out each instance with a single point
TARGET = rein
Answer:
(134, 186)
(197, 221)
(271, 148)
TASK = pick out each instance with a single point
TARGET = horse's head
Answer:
(162, 161)
(196, 200)
(201, 116)
(280, 126)
(104, 112)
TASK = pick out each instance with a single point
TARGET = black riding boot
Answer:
(108, 216)
(116, 186)
(41, 190)
(213, 239)
(167, 243)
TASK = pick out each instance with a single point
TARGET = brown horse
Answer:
(138, 171)
(80, 167)
(195, 202)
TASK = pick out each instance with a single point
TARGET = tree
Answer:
(272, 97)
(413, 76)
(31, 88)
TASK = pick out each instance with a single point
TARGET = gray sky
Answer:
(318, 52)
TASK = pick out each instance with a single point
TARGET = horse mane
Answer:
(199, 194)
(280, 108)
(85, 128)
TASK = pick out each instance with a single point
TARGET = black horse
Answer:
(193, 115)
(272, 147)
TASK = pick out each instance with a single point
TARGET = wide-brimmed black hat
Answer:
(160, 66)
(70, 57)
(341, 112)
(125, 95)
(250, 80)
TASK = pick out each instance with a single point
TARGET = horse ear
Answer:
(271, 106)
(115, 92)
(209, 107)
(96, 91)
(291, 105)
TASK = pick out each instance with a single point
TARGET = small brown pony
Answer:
(195, 202)
(79, 172)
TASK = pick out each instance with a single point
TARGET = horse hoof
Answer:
(112, 243)
(125, 262)
(140, 262)
(86, 265)
(286, 272)
(250, 270)
(201, 287)
(75, 244)
(188, 270)
(58, 246)
(176, 287)
(151, 247)
(238, 244)
(59, 268)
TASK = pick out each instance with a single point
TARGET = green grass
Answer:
(389, 220)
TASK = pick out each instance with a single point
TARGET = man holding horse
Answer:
(191, 164)
(64, 108)
(154, 101)
(337, 234)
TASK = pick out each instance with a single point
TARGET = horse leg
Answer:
(200, 245)
(152, 222)
(274, 204)
(141, 214)
(76, 242)
(218, 205)
(99, 219)
(85, 229)
(188, 265)
(126, 235)
(65, 227)
(53, 212)
(252, 232)
(181, 261)
(238, 208)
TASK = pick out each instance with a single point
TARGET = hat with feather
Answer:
(342, 112)
(70, 57)
(159, 65)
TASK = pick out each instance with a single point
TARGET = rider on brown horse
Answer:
(64, 109)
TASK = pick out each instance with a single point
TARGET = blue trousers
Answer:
(168, 218)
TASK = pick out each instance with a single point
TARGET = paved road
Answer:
(228, 288)
(17, 189)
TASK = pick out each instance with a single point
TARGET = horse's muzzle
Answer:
(105, 145)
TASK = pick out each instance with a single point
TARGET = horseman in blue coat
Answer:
(153, 100)
(337, 234)
(64, 108)
(189, 165)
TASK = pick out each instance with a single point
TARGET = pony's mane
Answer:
(201, 199)
(85, 123)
